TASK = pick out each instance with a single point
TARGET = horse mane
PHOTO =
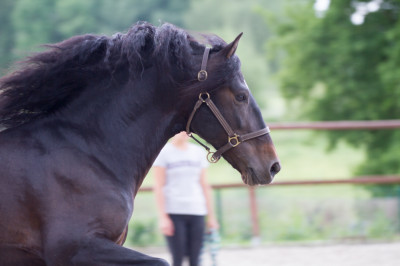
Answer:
(50, 80)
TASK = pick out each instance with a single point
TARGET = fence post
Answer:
(218, 201)
(256, 239)
(398, 206)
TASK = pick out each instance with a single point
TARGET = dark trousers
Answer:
(187, 238)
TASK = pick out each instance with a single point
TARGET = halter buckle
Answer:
(202, 75)
(234, 141)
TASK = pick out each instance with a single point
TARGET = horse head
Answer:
(227, 116)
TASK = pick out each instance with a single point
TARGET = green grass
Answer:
(304, 155)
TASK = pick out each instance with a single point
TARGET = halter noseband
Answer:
(233, 138)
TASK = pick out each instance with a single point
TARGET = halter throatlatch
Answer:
(233, 138)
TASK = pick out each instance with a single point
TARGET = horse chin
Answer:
(250, 178)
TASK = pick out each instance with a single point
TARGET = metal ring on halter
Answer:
(204, 99)
(235, 139)
(202, 75)
(211, 158)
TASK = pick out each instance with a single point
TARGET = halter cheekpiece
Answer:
(203, 75)
(233, 138)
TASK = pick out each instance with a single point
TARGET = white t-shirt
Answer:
(182, 189)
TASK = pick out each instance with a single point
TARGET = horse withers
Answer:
(86, 119)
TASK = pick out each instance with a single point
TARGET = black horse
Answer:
(84, 122)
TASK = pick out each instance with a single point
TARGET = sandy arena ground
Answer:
(377, 254)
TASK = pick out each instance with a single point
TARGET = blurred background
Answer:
(304, 60)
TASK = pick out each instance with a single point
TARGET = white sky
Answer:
(362, 9)
(357, 18)
(321, 5)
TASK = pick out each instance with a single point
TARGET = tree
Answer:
(6, 33)
(48, 21)
(228, 18)
(342, 71)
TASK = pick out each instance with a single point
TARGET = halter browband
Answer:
(233, 138)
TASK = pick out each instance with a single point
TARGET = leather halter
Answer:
(233, 138)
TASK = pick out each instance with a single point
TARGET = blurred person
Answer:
(183, 198)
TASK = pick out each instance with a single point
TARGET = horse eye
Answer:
(241, 97)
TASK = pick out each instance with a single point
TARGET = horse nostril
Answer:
(275, 168)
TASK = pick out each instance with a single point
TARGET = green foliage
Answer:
(37, 25)
(381, 226)
(336, 70)
(6, 32)
(143, 233)
(296, 214)
(43, 21)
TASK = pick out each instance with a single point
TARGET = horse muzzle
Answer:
(253, 177)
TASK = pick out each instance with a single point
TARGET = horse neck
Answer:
(129, 124)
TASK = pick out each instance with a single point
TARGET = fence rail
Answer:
(360, 180)
(374, 180)
(338, 125)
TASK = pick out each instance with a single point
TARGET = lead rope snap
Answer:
(211, 158)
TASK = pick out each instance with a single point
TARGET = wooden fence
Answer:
(328, 125)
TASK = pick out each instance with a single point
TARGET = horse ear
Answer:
(230, 49)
